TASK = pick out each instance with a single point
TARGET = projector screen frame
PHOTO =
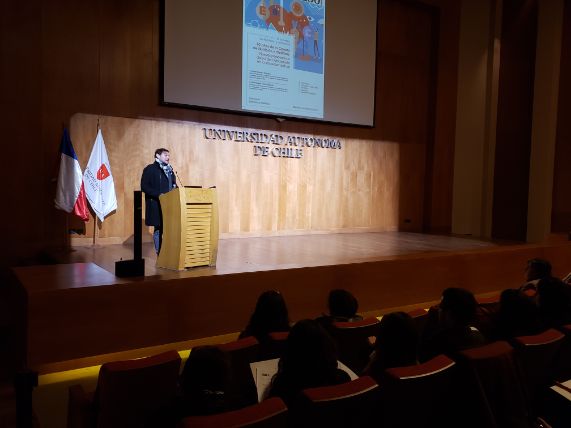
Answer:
(278, 117)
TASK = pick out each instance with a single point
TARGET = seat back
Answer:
(241, 386)
(421, 395)
(563, 362)
(486, 314)
(351, 404)
(129, 393)
(490, 302)
(492, 390)
(420, 316)
(271, 413)
(353, 341)
(536, 358)
(274, 347)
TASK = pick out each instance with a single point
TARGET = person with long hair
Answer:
(518, 315)
(396, 345)
(310, 360)
(204, 381)
(270, 315)
(450, 326)
(203, 386)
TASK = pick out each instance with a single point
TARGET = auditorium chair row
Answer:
(496, 385)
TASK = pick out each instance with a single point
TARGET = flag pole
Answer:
(95, 216)
(67, 238)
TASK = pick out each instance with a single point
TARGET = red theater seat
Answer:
(488, 300)
(279, 336)
(242, 388)
(421, 395)
(353, 341)
(492, 391)
(351, 404)
(128, 393)
(566, 329)
(563, 364)
(275, 346)
(536, 357)
(486, 313)
(420, 316)
(489, 304)
(271, 413)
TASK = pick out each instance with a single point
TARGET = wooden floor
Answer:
(285, 252)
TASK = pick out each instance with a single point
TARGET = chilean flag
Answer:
(70, 193)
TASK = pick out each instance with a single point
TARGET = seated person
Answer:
(518, 316)
(554, 301)
(203, 384)
(342, 306)
(270, 315)
(204, 380)
(309, 360)
(396, 345)
(536, 270)
(450, 326)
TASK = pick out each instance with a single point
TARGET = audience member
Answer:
(204, 381)
(310, 360)
(343, 307)
(270, 315)
(536, 270)
(450, 326)
(396, 345)
(554, 301)
(518, 315)
(203, 386)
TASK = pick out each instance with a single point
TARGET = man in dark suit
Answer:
(157, 178)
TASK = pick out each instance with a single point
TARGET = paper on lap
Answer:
(562, 391)
(264, 371)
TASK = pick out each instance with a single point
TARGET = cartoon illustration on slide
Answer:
(304, 20)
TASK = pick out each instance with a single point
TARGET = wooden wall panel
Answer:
(440, 162)
(561, 205)
(101, 57)
(515, 107)
(326, 190)
(407, 111)
(21, 128)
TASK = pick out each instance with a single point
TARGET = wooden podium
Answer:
(190, 228)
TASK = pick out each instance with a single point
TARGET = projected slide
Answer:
(283, 51)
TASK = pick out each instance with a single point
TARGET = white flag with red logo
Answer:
(98, 180)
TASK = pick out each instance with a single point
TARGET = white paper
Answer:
(561, 391)
(264, 371)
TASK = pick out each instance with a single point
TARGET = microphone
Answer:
(179, 180)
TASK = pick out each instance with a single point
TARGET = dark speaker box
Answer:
(135, 267)
(126, 268)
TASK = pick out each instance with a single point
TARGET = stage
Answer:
(78, 309)
(238, 255)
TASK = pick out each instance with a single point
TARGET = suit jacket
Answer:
(154, 183)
